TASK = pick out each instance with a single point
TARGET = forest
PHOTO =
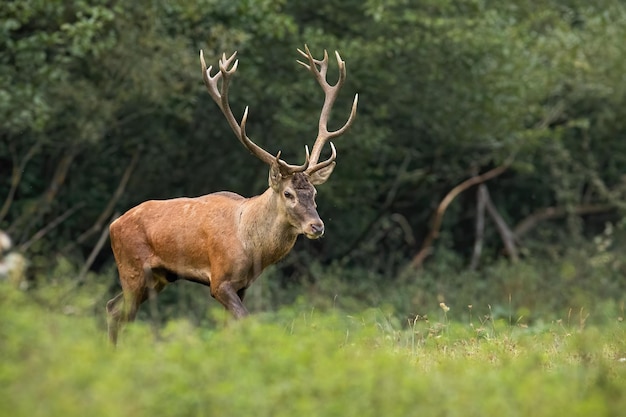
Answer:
(486, 164)
(475, 224)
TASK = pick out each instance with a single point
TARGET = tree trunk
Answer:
(29, 218)
(507, 236)
(480, 229)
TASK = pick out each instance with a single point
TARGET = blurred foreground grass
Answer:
(299, 362)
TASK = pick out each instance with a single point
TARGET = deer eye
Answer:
(288, 195)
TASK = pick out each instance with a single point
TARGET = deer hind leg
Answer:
(122, 309)
(124, 306)
(115, 311)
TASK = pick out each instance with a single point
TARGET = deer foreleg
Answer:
(230, 299)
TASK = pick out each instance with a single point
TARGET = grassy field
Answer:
(301, 362)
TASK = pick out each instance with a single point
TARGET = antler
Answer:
(330, 95)
(220, 95)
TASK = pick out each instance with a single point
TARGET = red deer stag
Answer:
(222, 239)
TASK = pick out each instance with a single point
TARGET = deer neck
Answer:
(268, 234)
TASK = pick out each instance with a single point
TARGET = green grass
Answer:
(301, 362)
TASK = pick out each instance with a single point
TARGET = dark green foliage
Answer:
(448, 90)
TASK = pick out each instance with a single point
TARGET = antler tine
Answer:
(286, 168)
(312, 65)
(348, 123)
(210, 82)
(327, 162)
(219, 93)
(330, 95)
(292, 169)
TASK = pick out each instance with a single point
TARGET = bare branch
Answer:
(507, 236)
(42, 232)
(16, 176)
(30, 217)
(426, 249)
(104, 235)
(106, 213)
(549, 213)
(389, 200)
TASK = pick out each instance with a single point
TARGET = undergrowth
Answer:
(299, 360)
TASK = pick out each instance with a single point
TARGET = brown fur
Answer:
(222, 240)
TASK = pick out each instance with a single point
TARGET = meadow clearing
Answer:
(299, 361)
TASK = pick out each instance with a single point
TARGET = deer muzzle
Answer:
(315, 230)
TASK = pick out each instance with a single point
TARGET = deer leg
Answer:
(155, 283)
(124, 306)
(231, 299)
(115, 311)
(122, 309)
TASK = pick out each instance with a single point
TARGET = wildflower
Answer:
(444, 307)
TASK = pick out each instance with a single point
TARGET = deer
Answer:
(224, 240)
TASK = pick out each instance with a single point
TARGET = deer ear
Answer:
(321, 176)
(275, 176)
